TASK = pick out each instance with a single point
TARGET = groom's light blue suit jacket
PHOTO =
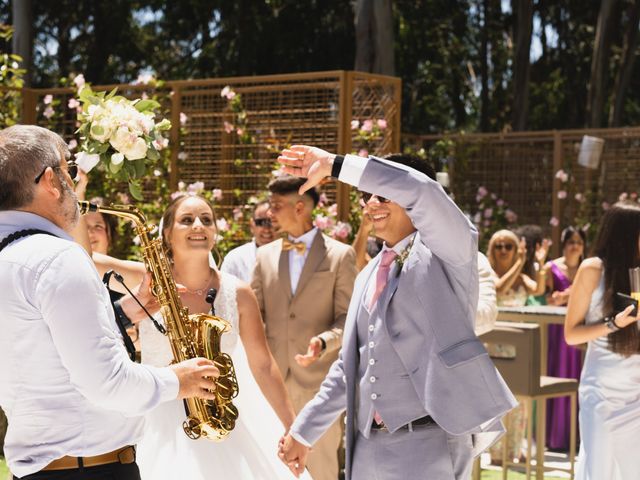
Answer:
(428, 311)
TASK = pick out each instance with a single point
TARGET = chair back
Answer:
(515, 351)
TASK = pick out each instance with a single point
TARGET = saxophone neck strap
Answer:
(21, 234)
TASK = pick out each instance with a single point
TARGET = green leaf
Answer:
(111, 93)
(136, 190)
(152, 154)
(140, 168)
(147, 104)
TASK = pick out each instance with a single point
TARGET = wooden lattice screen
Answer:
(521, 169)
(274, 111)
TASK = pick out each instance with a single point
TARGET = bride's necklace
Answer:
(200, 291)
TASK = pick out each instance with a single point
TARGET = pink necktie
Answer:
(388, 256)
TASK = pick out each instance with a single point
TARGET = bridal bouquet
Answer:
(119, 134)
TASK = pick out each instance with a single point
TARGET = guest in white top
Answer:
(72, 396)
(241, 260)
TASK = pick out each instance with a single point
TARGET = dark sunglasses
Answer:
(504, 246)
(367, 196)
(262, 222)
(72, 168)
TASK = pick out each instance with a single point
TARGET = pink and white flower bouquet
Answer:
(121, 135)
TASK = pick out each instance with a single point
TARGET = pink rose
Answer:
(382, 123)
(195, 187)
(562, 194)
(73, 104)
(73, 143)
(237, 214)
(363, 153)
(510, 215)
(500, 202)
(321, 222)
(183, 118)
(342, 231)
(482, 192)
(228, 127)
(579, 197)
(488, 212)
(48, 112)
(554, 222)
(217, 194)
(47, 99)
(562, 176)
(367, 125)
(222, 225)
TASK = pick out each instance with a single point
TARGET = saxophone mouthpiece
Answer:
(86, 207)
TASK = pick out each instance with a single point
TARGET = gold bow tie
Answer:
(299, 247)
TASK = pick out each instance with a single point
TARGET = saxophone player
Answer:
(73, 398)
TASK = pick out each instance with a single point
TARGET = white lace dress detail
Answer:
(155, 346)
(248, 453)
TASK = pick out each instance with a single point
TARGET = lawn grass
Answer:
(4, 471)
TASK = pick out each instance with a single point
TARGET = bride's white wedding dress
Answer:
(250, 450)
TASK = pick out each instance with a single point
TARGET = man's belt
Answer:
(124, 455)
(415, 423)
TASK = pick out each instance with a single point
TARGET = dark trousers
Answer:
(111, 471)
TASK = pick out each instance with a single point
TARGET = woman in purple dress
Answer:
(562, 360)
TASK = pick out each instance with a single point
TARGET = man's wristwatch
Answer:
(610, 322)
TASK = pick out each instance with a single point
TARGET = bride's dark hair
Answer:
(617, 245)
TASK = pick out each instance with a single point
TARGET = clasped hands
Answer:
(293, 454)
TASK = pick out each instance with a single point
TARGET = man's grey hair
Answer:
(25, 151)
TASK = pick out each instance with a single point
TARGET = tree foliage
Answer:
(458, 59)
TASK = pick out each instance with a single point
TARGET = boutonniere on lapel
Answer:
(402, 256)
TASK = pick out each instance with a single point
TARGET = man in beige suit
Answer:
(303, 283)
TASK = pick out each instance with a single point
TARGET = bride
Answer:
(250, 450)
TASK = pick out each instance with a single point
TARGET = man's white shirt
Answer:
(241, 261)
(66, 382)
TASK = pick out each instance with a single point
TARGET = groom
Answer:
(421, 395)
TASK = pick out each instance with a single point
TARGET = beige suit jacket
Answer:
(318, 308)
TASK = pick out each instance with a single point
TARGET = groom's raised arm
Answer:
(443, 227)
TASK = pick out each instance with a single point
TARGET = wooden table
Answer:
(543, 315)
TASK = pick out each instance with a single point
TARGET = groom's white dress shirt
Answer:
(66, 382)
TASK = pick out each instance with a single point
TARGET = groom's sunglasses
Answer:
(367, 196)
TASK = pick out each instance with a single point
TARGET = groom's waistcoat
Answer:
(384, 385)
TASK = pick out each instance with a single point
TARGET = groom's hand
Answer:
(293, 454)
(305, 161)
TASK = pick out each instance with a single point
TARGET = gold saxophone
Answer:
(190, 336)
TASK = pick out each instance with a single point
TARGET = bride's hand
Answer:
(293, 454)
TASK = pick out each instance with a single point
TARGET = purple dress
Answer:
(563, 361)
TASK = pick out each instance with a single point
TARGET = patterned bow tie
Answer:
(299, 247)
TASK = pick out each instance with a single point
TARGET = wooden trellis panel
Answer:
(312, 108)
(521, 168)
